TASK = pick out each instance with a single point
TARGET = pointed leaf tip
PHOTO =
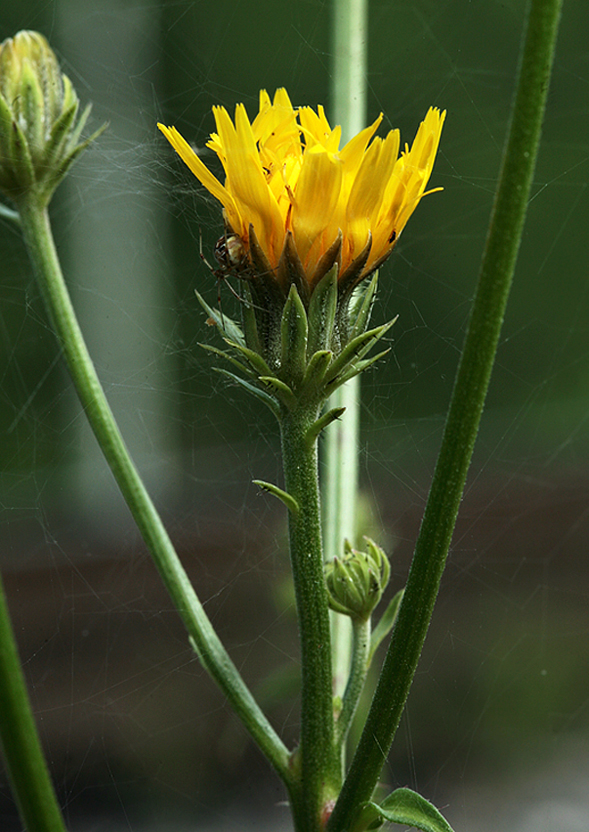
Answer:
(406, 807)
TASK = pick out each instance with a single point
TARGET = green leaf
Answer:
(288, 500)
(411, 809)
(316, 369)
(283, 391)
(269, 401)
(256, 360)
(357, 348)
(354, 369)
(228, 357)
(321, 423)
(229, 328)
(385, 624)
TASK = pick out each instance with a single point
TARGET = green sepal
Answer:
(59, 173)
(229, 328)
(356, 349)
(385, 624)
(316, 369)
(32, 108)
(283, 391)
(18, 172)
(288, 500)
(250, 327)
(70, 96)
(361, 307)
(293, 332)
(355, 368)
(60, 135)
(228, 357)
(257, 362)
(268, 400)
(322, 422)
(322, 309)
(408, 808)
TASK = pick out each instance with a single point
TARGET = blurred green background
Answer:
(498, 718)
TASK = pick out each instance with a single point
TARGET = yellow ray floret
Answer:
(286, 176)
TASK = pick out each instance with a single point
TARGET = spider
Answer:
(231, 255)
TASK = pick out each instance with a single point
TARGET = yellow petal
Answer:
(315, 197)
(204, 176)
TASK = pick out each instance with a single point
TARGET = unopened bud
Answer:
(39, 134)
(356, 581)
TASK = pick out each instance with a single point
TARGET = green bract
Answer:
(293, 350)
(39, 134)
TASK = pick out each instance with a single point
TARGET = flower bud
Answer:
(38, 108)
(355, 583)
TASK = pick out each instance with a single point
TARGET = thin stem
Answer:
(26, 765)
(350, 48)
(356, 680)
(319, 765)
(464, 414)
(214, 657)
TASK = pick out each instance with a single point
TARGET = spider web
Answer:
(496, 729)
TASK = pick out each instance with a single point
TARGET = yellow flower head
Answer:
(290, 192)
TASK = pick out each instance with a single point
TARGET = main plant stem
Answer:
(317, 759)
(464, 415)
(37, 233)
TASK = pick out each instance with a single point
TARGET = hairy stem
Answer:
(317, 757)
(465, 411)
(358, 671)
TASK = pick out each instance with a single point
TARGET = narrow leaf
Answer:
(268, 400)
(228, 357)
(283, 390)
(257, 362)
(355, 368)
(316, 369)
(321, 423)
(229, 328)
(284, 496)
(385, 624)
(358, 347)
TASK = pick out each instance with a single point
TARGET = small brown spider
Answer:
(231, 255)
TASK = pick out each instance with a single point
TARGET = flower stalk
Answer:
(39, 140)
(39, 240)
(26, 765)
(463, 419)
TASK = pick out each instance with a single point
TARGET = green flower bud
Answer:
(39, 135)
(355, 583)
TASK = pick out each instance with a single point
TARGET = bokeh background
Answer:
(497, 726)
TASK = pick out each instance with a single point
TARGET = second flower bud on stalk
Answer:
(356, 582)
